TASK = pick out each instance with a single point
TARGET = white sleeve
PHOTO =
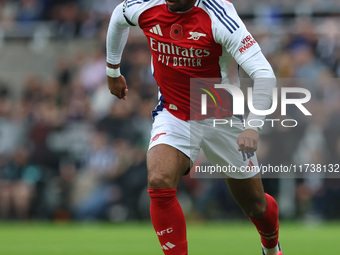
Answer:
(258, 68)
(117, 35)
(230, 31)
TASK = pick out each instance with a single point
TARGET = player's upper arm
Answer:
(230, 31)
(132, 9)
(126, 13)
(118, 18)
(117, 35)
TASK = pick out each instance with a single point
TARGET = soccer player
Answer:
(193, 39)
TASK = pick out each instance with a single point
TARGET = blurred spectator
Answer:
(17, 186)
(11, 130)
(93, 73)
(30, 10)
(94, 188)
(132, 181)
(326, 203)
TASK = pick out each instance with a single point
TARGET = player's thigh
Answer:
(221, 149)
(171, 146)
(249, 195)
(166, 165)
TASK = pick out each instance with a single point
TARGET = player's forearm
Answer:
(117, 35)
(258, 68)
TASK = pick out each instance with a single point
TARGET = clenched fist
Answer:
(247, 141)
(118, 86)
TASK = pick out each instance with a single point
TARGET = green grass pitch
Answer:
(234, 238)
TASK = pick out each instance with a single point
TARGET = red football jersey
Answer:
(192, 44)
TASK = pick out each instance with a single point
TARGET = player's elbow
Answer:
(264, 72)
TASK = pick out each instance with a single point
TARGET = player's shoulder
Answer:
(221, 2)
(132, 7)
(222, 13)
(216, 5)
(135, 4)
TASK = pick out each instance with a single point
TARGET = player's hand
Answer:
(118, 86)
(247, 141)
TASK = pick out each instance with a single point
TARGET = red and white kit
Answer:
(193, 44)
(196, 44)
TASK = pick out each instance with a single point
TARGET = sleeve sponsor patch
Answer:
(247, 42)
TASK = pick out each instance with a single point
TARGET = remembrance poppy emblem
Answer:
(176, 32)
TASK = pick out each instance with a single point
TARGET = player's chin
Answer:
(173, 5)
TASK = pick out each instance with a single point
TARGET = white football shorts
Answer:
(218, 143)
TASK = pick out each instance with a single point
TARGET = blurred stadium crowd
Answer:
(70, 150)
